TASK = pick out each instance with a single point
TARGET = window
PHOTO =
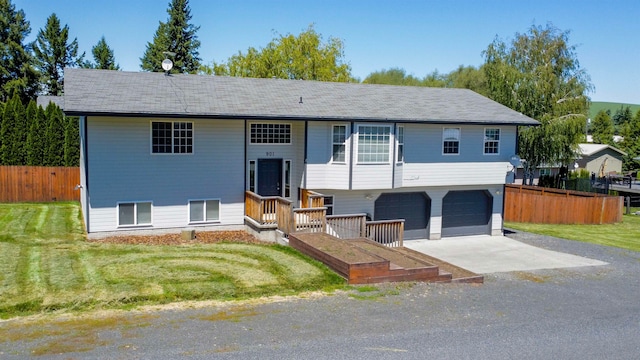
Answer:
(287, 178)
(400, 139)
(270, 133)
(204, 211)
(169, 137)
(328, 203)
(373, 144)
(491, 141)
(339, 138)
(451, 141)
(252, 176)
(134, 213)
(545, 172)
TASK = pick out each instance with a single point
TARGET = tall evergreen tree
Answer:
(103, 57)
(71, 141)
(177, 36)
(54, 136)
(16, 63)
(36, 137)
(602, 128)
(54, 52)
(13, 133)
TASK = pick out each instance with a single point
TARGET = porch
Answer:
(361, 251)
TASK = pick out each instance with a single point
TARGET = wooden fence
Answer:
(39, 183)
(540, 205)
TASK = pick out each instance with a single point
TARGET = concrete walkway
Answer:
(484, 254)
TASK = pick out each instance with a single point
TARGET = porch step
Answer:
(363, 261)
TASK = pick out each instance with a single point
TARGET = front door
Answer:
(270, 177)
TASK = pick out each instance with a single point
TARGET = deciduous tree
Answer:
(54, 52)
(392, 76)
(176, 36)
(538, 74)
(288, 56)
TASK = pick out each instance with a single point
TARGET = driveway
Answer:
(485, 254)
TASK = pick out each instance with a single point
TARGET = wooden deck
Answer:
(362, 261)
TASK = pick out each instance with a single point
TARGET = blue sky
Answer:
(419, 36)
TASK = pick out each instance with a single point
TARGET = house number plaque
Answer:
(271, 153)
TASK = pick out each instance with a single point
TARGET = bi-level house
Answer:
(180, 151)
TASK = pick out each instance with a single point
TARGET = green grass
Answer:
(596, 106)
(625, 235)
(46, 265)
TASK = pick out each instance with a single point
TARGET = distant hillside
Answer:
(601, 105)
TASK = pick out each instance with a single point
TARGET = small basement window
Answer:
(201, 211)
(134, 213)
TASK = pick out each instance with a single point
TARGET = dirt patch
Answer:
(202, 237)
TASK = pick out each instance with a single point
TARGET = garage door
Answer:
(466, 213)
(414, 208)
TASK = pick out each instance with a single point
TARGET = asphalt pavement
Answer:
(583, 312)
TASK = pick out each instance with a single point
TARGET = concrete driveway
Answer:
(484, 254)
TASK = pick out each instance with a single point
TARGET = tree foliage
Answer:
(103, 57)
(630, 143)
(17, 73)
(602, 128)
(303, 57)
(54, 52)
(13, 132)
(36, 139)
(465, 77)
(54, 152)
(176, 36)
(538, 74)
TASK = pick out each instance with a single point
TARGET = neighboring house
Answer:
(600, 159)
(173, 151)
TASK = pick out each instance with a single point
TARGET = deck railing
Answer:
(274, 210)
(347, 226)
(269, 210)
(310, 219)
(386, 232)
(311, 199)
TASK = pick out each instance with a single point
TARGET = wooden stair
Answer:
(363, 261)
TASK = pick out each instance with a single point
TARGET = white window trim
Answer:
(270, 123)
(459, 141)
(135, 214)
(398, 143)
(287, 181)
(333, 203)
(390, 149)
(484, 141)
(204, 211)
(346, 144)
(255, 175)
(193, 138)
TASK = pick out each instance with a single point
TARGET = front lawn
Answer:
(625, 235)
(46, 264)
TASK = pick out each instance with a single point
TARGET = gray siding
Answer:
(321, 172)
(293, 152)
(122, 169)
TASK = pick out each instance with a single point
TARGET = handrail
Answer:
(386, 232)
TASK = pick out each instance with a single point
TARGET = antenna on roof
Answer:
(167, 64)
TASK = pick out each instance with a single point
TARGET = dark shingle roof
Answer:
(96, 92)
